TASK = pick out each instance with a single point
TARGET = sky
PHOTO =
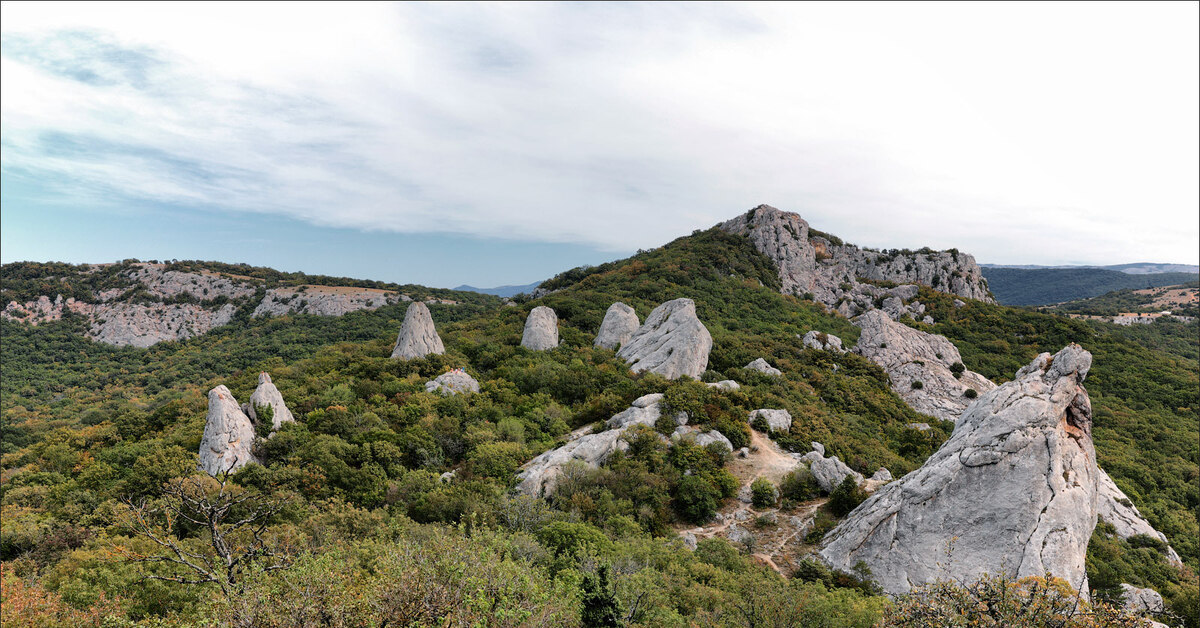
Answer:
(502, 143)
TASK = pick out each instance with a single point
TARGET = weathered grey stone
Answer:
(645, 401)
(905, 293)
(738, 534)
(1115, 507)
(689, 540)
(418, 337)
(829, 472)
(228, 434)
(710, 437)
(541, 329)
(823, 342)
(959, 303)
(324, 300)
(761, 366)
(910, 356)
(453, 382)
(540, 475)
(672, 342)
(817, 447)
(636, 415)
(725, 384)
(810, 263)
(268, 395)
(928, 320)
(1013, 491)
(1141, 601)
(778, 420)
(882, 475)
(920, 427)
(620, 321)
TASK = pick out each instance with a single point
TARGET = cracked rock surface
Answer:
(620, 321)
(418, 337)
(672, 342)
(268, 395)
(228, 434)
(1014, 491)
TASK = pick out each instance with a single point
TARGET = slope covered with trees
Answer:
(1043, 286)
(375, 533)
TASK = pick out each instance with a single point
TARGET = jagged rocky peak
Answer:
(620, 321)
(228, 434)
(418, 337)
(1013, 491)
(541, 329)
(922, 367)
(672, 342)
(268, 395)
(811, 262)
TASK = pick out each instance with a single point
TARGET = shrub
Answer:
(763, 493)
(695, 499)
(970, 393)
(846, 497)
(799, 485)
(917, 384)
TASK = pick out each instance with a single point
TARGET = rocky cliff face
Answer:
(922, 366)
(811, 262)
(418, 337)
(160, 305)
(228, 434)
(672, 342)
(620, 321)
(1014, 490)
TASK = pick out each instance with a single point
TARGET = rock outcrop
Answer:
(822, 341)
(268, 395)
(777, 420)
(828, 472)
(1013, 491)
(1116, 508)
(418, 337)
(541, 329)
(811, 262)
(922, 366)
(324, 300)
(761, 366)
(453, 382)
(1140, 601)
(620, 321)
(228, 434)
(672, 342)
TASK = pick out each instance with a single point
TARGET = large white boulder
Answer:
(541, 329)
(620, 321)
(228, 434)
(418, 337)
(672, 342)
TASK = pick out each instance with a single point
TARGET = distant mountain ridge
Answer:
(1136, 268)
(502, 291)
(1047, 286)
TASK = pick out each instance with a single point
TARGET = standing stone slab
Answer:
(620, 321)
(228, 434)
(268, 395)
(541, 329)
(1013, 491)
(672, 342)
(418, 337)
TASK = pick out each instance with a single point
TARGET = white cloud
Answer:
(1022, 133)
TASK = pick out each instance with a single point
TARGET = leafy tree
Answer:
(600, 607)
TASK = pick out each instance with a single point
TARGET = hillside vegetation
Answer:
(376, 536)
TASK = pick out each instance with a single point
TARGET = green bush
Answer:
(696, 499)
(846, 497)
(799, 485)
(763, 493)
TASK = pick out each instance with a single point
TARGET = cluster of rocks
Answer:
(822, 341)
(829, 472)
(1013, 491)
(761, 366)
(810, 263)
(922, 366)
(229, 431)
(453, 382)
(672, 342)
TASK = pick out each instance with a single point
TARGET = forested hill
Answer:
(1045, 286)
(397, 502)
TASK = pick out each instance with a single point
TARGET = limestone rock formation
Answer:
(778, 420)
(228, 434)
(418, 337)
(828, 472)
(761, 366)
(882, 475)
(1115, 507)
(541, 329)
(919, 365)
(725, 384)
(672, 342)
(620, 321)
(268, 395)
(1141, 601)
(453, 382)
(1013, 491)
(540, 475)
(811, 262)
(823, 342)
(699, 438)
(324, 300)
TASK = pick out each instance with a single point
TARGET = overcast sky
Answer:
(502, 143)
